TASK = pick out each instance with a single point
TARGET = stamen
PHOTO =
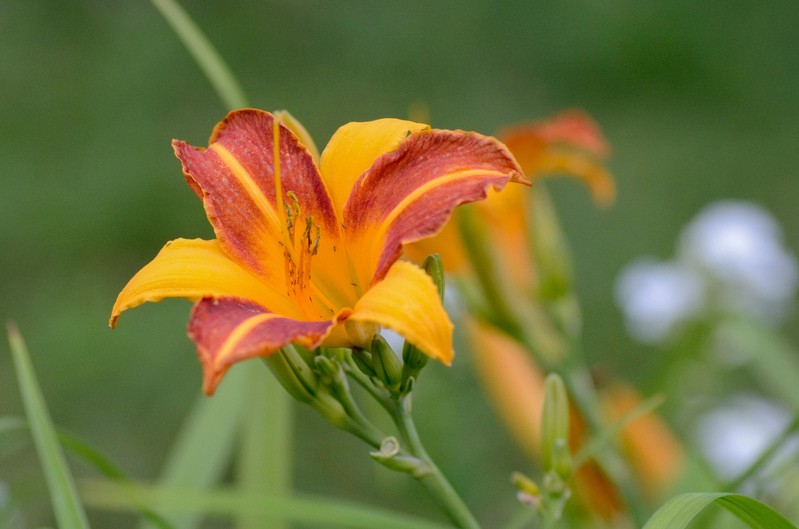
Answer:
(297, 254)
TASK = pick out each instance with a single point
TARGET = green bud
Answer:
(293, 374)
(331, 409)
(550, 251)
(561, 459)
(554, 420)
(327, 368)
(414, 359)
(363, 359)
(435, 269)
(525, 484)
(386, 363)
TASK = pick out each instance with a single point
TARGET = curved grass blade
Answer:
(205, 445)
(67, 508)
(332, 512)
(204, 54)
(680, 511)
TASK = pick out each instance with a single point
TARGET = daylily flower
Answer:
(570, 144)
(306, 250)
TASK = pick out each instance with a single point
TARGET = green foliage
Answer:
(67, 508)
(679, 512)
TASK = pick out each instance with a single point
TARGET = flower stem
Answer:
(430, 476)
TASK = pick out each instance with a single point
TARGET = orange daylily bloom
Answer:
(569, 143)
(306, 250)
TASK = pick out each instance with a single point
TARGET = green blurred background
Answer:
(700, 101)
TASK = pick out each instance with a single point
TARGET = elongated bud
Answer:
(435, 269)
(414, 359)
(499, 297)
(294, 374)
(525, 484)
(550, 251)
(363, 359)
(329, 371)
(386, 363)
(554, 423)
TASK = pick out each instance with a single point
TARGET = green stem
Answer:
(432, 478)
(204, 54)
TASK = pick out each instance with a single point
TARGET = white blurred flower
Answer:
(657, 296)
(735, 434)
(739, 245)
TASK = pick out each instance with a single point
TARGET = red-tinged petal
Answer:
(569, 143)
(354, 148)
(230, 330)
(410, 193)
(193, 269)
(236, 178)
(407, 301)
(572, 128)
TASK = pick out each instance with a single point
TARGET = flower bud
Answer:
(414, 359)
(555, 424)
(294, 374)
(551, 253)
(386, 363)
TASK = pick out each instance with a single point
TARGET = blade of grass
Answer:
(203, 53)
(265, 456)
(606, 436)
(773, 359)
(205, 444)
(680, 511)
(67, 508)
(17, 429)
(298, 508)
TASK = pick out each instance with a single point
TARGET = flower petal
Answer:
(354, 148)
(192, 269)
(236, 179)
(569, 143)
(406, 301)
(410, 193)
(230, 330)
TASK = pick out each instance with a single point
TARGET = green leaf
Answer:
(265, 454)
(331, 512)
(773, 359)
(205, 444)
(67, 508)
(679, 512)
(110, 470)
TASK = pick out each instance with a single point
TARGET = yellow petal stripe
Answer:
(193, 269)
(406, 301)
(353, 149)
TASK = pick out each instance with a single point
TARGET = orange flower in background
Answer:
(566, 144)
(306, 250)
